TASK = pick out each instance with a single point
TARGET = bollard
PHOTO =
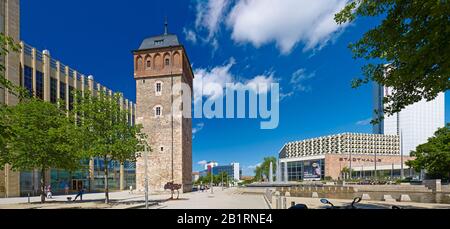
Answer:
(405, 198)
(388, 198)
(365, 196)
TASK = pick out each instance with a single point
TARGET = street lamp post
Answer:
(212, 189)
(402, 175)
(146, 176)
(350, 165)
(222, 181)
(144, 143)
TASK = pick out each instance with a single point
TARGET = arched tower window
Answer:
(166, 60)
(148, 62)
(139, 64)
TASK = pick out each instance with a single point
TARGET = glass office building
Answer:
(50, 80)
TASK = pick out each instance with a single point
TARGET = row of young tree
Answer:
(39, 135)
(216, 179)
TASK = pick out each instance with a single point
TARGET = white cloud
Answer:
(285, 22)
(364, 122)
(253, 166)
(202, 162)
(209, 16)
(190, 35)
(211, 82)
(198, 128)
(298, 77)
(297, 83)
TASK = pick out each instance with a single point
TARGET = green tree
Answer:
(434, 156)
(7, 45)
(42, 139)
(262, 171)
(105, 128)
(410, 48)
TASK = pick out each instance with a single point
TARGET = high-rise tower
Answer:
(416, 122)
(160, 65)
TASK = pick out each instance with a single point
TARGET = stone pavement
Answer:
(227, 199)
(119, 200)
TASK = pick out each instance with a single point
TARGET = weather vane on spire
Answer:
(166, 26)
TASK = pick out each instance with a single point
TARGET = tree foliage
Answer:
(41, 138)
(434, 156)
(262, 171)
(410, 49)
(106, 132)
(7, 45)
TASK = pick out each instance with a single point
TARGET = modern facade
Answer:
(326, 157)
(233, 170)
(161, 65)
(50, 80)
(415, 123)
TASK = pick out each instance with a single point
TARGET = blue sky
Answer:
(97, 37)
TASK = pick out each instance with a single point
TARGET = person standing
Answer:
(66, 189)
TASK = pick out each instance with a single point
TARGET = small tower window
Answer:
(167, 61)
(149, 64)
(158, 87)
(158, 111)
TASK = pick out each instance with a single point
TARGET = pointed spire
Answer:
(166, 25)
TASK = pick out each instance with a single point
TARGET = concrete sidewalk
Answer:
(226, 199)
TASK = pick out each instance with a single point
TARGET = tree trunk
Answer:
(106, 181)
(43, 186)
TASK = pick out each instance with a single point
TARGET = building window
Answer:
(162, 149)
(159, 42)
(140, 64)
(62, 91)
(28, 79)
(158, 111)
(71, 95)
(167, 62)
(39, 85)
(53, 90)
(149, 64)
(158, 88)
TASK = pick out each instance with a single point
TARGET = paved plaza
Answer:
(232, 198)
(226, 199)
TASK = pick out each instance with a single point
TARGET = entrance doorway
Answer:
(77, 184)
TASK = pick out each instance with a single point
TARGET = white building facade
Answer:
(416, 123)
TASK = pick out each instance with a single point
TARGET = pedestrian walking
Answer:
(49, 192)
(79, 194)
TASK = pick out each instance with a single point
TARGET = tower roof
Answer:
(161, 41)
